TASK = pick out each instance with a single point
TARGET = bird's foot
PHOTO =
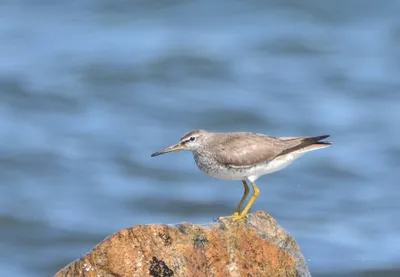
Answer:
(237, 216)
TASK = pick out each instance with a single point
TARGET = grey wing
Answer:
(244, 150)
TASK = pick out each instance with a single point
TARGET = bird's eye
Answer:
(192, 138)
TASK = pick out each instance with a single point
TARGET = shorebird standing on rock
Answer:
(243, 156)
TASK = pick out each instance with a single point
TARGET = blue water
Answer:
(89, 90)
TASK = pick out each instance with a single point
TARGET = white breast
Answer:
(253, 173)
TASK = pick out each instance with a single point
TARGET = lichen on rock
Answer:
(254, 247)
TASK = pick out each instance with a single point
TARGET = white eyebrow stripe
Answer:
(185, 141)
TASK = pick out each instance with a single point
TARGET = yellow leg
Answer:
(246, 192)
(251, 201)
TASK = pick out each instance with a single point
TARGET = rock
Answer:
(254, 247)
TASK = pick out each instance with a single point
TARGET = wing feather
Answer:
(242, 150)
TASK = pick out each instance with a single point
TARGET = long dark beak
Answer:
(172, 148)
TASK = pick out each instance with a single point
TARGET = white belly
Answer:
(253, 173)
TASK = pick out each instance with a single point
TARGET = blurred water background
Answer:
(89, 89)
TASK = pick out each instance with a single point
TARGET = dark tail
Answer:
(316, 140)
(309, 142)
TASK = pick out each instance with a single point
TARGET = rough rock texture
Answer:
(254, 247)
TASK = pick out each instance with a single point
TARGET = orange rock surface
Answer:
(254, 247)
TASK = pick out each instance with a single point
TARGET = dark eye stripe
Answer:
(185, 141)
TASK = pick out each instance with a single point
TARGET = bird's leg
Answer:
(245, 193)
(251, 201)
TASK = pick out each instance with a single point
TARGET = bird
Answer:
(243, 156)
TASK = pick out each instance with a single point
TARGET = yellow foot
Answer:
(237, 216)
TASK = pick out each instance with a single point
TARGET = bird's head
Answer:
(191, 141)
